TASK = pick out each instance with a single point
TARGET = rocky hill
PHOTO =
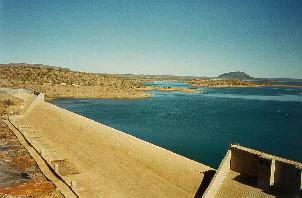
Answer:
(235, 76)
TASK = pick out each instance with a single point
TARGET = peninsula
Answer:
(57, 82)
(224, 83)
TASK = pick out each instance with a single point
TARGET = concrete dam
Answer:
(98, 161)
(95, 160)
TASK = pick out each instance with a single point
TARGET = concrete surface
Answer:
(103, 162)
(95, 160)
(237, 185)
(245, 172)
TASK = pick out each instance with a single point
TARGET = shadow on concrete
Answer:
(246, 180)
(283, 194)
(207, 178)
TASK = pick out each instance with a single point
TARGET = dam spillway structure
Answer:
(95, 160)
(246, 172)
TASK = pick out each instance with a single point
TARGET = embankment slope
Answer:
(111, 163)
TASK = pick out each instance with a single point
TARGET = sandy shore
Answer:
(68, 91)
(185, 90)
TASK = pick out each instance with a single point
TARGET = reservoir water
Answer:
(200, 126)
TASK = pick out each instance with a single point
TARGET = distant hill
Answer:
(34, 66)
(57, 82)
(235, 76)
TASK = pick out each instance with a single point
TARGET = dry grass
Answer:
(9, 104)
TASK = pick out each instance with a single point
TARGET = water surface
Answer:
(200, 126)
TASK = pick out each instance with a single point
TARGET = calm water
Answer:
(200, 126)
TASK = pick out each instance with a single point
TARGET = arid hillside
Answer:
(223, 83)
(9, 104)
(60, 82)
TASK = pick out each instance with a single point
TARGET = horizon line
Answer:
(144, 74)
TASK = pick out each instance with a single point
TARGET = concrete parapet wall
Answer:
(253, 165)
(41, 96)
(266, 155)
(244, 162)
(15, 91)
(219, 177)
(268, 170)
(287, 179)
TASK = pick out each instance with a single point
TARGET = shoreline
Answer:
(142, 94)
(47, 99)
(231, 86)
(236, 84)
(184, 90)
(57, 82)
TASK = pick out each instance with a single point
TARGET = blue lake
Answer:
(200, 126)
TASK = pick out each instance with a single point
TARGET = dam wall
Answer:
(30, 103)
(271, 173)
(99, 161)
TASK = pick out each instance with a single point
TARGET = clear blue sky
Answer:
(182, 37)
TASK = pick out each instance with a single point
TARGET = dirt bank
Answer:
(19, 173)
